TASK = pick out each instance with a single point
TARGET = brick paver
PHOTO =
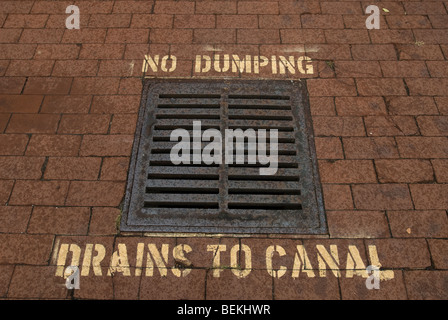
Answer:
(69, 101)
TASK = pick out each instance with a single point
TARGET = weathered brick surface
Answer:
(84, 36)
(414, 52)
(69, 102)
(305, 36)
(5, 278)
(32, 68)
(4, 118)
(391, 126)
(416, 171)
(41, 36)
(258, 286)
(329, 148)
(14, 219)
(313, 289)
(412, 106)
(123, 124)
(114, 168)
(36, 282)
(347, 36)
(72, 168)
(404, 69)
(430, 196)
(115, 104)
(36, 192)
(332, 87)
(370, 148)
(65, 220)
(11, 85)
(440, 169)
(21, 167)
(381, 86)
(57, 51)
(191, 286)
(99, 85)
(274, 21)
(221, 36)
(20, 104)
(402, 253)
(13, 144)
(216, 7)
(358, 224)
(423, 147)
(17, 51)
(84, 124)
(347, 171)
(360, 106)
(357, 69)
(433, 125)
(439, 252)
(40, 85)
(339, 126)
(408, 22)
(103, 221)
(437, 68)
(374, 52)
(53, 145)
(337, 197)
(426, 285)
(106, 145)
(430, 224)
(382, 196)
(355, 289)
(25, 249)
(33, 123)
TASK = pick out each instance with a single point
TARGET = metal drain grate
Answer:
(223, 198)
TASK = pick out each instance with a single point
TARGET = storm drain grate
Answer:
(223, 198)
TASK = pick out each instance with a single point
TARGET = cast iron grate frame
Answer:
(218, 214)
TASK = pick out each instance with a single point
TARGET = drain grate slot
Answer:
(259, 97)
(189, 96)
(220, 197)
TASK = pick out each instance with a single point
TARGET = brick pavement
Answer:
(68, 110)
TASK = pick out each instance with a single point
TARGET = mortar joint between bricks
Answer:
(44, 167)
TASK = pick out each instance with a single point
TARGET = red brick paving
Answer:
(68, 108)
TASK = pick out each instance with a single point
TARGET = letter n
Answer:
(157, 259)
